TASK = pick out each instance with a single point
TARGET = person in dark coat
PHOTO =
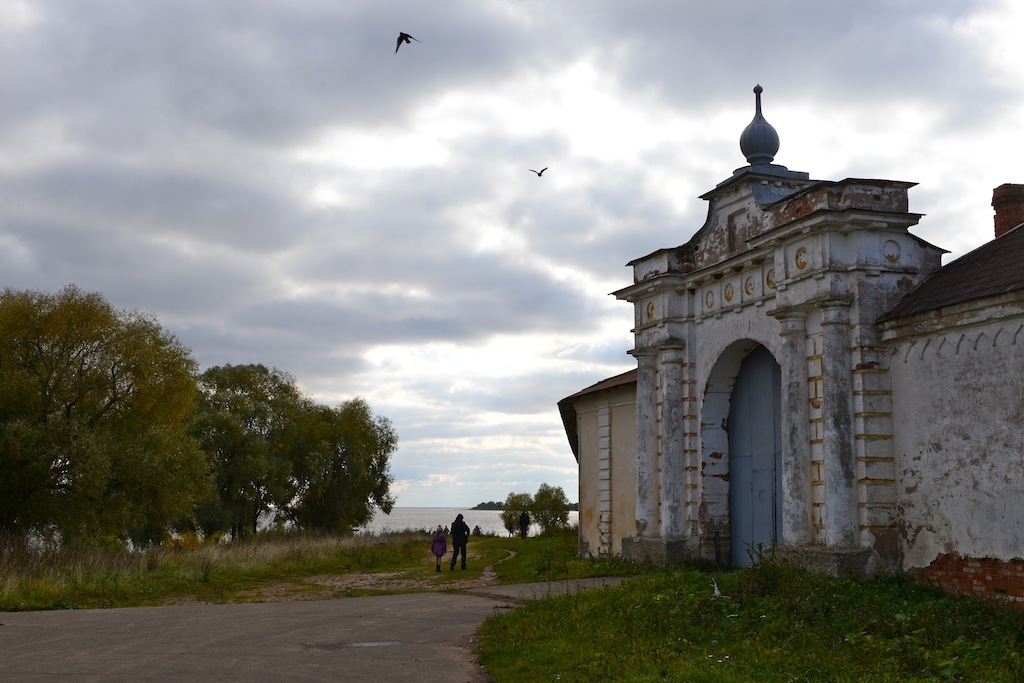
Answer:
(460, 536)
(524, 523)
(439, 545)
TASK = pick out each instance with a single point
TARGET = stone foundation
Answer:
(657, 551)
(835, 562)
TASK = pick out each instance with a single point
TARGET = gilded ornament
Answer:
(891, 251)
(801, 258)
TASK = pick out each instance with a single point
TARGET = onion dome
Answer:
(759, 141)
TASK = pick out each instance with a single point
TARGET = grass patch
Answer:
(283, 564)
(550, 557)
(51, 578)
(772, 622)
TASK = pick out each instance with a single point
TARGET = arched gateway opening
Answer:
(741, 425)
(755, 457)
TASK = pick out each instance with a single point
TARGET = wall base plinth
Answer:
(657, 551)
(835, 562)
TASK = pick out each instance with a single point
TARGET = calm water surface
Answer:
(423, 519)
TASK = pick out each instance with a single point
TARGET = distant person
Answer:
(460, 537)
(439, 545)
(524, 523)
(511, 530)
(477, 531)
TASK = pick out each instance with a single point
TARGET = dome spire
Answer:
(759, 142)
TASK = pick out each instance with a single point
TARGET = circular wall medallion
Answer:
(769, 278)
(891, 251)
(748, 286)
(728, 292)
(709, 299)
(801, 258)
(650, 310)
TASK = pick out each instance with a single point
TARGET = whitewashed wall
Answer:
(958, 401)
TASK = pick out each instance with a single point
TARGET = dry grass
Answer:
(49, 576)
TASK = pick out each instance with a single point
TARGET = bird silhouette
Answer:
(540, 172)
(404, 38)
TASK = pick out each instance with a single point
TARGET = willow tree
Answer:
(515, 504)
(94, 407)
(278, 453)
(550, 508)
(344, 472)
(247, 423)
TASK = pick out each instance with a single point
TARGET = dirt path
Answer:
(354, 584)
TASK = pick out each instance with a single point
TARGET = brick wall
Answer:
(973, 576)
(1008, 202)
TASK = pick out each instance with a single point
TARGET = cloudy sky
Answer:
(278, 185)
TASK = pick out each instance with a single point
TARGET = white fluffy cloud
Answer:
(279, 186)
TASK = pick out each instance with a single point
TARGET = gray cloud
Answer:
(208, 162)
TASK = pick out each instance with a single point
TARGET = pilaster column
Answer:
(673, 441)
(839, 462)
(646, 442)
(796, 490)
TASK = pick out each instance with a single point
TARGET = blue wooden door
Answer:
(755, 457)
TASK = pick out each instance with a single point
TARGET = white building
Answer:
(810, 377)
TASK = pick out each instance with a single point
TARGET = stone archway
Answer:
(755, 457)
(747, 373)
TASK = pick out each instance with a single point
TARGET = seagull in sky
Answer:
(404, 38)
(540, 172)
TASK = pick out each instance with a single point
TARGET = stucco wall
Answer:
(606, 424)
(958, 401)
(623, 460)
(589, 481)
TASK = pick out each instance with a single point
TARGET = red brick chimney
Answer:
(1008, 201)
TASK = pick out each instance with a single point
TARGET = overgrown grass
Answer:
(551, 557)
(772, 622)
(55, 578)
(79, 577)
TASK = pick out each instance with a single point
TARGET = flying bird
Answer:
(540, 172)
(404, 38)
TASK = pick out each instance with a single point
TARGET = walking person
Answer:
(460, 537)
(524, 523)
(439, 545)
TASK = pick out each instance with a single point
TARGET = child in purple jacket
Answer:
(439, 545)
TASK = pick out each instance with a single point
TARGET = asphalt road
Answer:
(420, 637)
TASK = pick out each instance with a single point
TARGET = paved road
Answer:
(420, 637)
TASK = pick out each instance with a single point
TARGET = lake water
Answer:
(423, 519)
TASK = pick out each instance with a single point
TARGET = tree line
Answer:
(108, 432)
(548, 508)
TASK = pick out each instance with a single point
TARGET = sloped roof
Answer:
(567, 409)
(994, 268)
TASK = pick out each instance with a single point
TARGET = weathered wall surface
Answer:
(901, 405)
(589, 479)
(623, 465)
(958, 399)
(805, 275)
(606, 423)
